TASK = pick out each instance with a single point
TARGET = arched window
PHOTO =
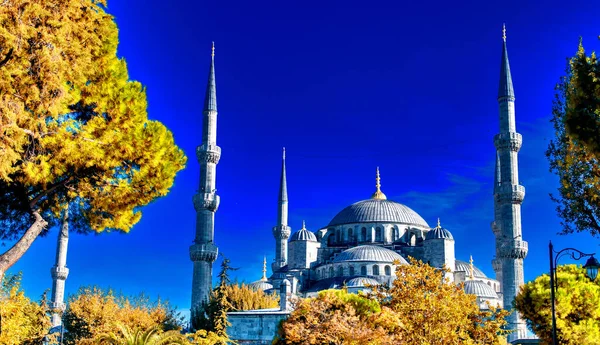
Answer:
(351, 271)
(363, 270)
(375, 270)
(396, 234)
(378, 234)
(340, 271)
(388, 270)
(339, 236)
(331, 239)
(350, 235)
(363, 234)
(330, 271)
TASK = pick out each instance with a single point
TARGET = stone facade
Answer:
(257, 327)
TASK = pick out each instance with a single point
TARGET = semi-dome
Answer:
(438, 233)
(260, 285)
(303, 235)
(378, 211)
(361, 282)
(479, 289)
(369, 253)
(463, 266)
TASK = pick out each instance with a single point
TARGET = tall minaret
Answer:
(281, 231)
(204, 252)
(508, 196)
(60, 272)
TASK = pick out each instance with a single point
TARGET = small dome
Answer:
(378, 210)
(463, 266)
(361, 282)
(260, 285)
(369, 253)
(438, 233)
(479, 289)
(303, 235)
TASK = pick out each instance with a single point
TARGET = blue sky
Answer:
(345, 87)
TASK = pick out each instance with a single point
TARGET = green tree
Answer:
(574, 154)
(151, 336)
(22, 321)
(73, 126)
(577, 312)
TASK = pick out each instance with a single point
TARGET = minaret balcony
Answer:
(282, 232)
(206, 201)
(208, 153)
(514, 249)
(59, 273)
(495, 228)
(57, 306)
(508, 193)
(497, 265)
(204, 252)
(510, 140)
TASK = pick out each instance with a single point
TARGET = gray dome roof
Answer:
(361, 282)
(369, 253)
(463, 266)
(378, 210)
(438, 233)
(480, 289)
(303, 235)
(260, 285)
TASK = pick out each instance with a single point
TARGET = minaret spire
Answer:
(378, 195)
(508, 196)
(206, 201)
(264, 271)
(281, 231)
(471, 268)
(60, 272)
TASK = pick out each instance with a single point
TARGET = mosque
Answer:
(363, 243)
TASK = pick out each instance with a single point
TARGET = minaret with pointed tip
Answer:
(508, 196)
(206, 202)
(281, 231)
(60, 272)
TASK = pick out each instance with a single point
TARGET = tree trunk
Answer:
(11, 256)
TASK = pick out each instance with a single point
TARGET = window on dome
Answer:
(339, 236)
(396, 234)
(363, 270)
(331, 239)
(331, 272)
(363, 234)
(388, 270)
(378, 234)
(351, 271)
(350, 235)
(375, 270)
(340, 271)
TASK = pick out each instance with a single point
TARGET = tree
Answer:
(93, 312)
(22, 321)
(421, 307)
(577, 313)
(242, 297)
(73, 126)
(574, 154)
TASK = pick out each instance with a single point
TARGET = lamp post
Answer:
(591, 271)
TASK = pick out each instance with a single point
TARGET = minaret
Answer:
(264, 276)
(281, 231)
(508, 196)
(60, 272)
(204, 252)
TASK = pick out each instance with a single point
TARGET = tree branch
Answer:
(8, 57)
(46, 192)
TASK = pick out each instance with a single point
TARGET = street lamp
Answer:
(591, 271)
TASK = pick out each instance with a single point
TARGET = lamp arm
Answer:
(575, 255)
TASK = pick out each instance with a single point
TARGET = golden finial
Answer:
(504, 31)
(378, 195)
(264, 277)
(439, 226)
(472, 268)
(213, 49)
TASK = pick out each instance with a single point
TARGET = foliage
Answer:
(577, 313)
(203, 337)
(420, 307)
(73, 126)
(339, 317)
(574, 153)
(22, 321)
(93, 312)
(150, 336)
(242, 297)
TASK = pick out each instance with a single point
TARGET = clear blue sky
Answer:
(345, 87)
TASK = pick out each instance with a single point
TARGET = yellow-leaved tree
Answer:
(22, 320)
(73, 127)
(421, 307)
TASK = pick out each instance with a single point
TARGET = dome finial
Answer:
(471, 268)
(504, 32)
(378, 195)
(303, 225)
(264, 277)
(212, 54)
(439, 226)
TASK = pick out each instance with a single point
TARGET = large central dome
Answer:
(378, 211)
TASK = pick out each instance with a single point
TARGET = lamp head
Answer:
(591, 268)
